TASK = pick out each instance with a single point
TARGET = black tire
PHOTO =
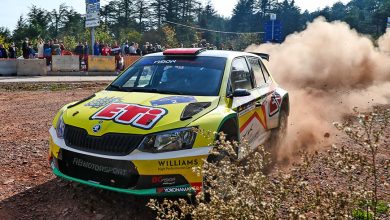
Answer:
(278, 136)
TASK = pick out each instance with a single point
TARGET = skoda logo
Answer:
(96, 128)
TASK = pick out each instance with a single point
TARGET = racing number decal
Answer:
(274, 105)
(135, 115)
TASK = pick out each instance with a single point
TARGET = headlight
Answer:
(179, 139)
(60, 127)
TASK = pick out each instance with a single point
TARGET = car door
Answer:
(272, 102)
(252, 122)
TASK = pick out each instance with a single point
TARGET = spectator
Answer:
(31, 51)
(25, 49)
(86, 48)
(47, 52)
(3, 52)
(101, 46)
(62, 47)
(86, 53)
(40, 48)
(79, 49)
(12, 51)
(96, 49)
(106, 51)
(116, 51)
(137, 49)
(132, 49)
(125, 48)
(145, 48)
(150, 49)
(55, 48)
(158, 48)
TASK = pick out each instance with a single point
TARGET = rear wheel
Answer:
(278, 136)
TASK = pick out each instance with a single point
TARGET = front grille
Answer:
(115, 173)
(114, 144)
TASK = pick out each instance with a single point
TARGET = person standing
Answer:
(12, 51)
(101, 46)
(85, 54)
(137, 49)
(55, 48)
(96, 49)
(116, 51)
(26, 52)
(47, 52)
(3, 52)
(125, 48)
(79, 51)
(40, 48)
(31, 51)
(106, 51)
(132, 50)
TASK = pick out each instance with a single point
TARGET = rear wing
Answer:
(262, 55)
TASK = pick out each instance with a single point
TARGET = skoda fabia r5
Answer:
(139, 135)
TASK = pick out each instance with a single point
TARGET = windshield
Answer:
(198, 76)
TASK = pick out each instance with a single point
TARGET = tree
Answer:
(290, 16)
(142, 13)
(158, 12)
(57, 18)
(38, 20)
(20, 31)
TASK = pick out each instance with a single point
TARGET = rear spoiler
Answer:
(262, 55)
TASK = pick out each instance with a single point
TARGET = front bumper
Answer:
(139, 173)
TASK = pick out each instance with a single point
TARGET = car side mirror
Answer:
(240, 93)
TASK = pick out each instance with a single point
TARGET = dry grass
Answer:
(351, 183)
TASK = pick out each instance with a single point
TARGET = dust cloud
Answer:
(328, 69)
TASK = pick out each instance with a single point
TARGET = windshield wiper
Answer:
(169, 92)
(119, 88)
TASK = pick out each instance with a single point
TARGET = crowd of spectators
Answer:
(46, 49)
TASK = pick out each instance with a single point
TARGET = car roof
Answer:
(214, 53)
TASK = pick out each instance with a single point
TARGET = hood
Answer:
(136, 112)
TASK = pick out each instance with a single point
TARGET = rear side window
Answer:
(257, 70)
(266, 73)
(240, 76)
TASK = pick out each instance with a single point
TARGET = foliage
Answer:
(142, 20)
(239, 189)
(169, 37)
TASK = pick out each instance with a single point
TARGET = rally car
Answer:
(140, 135)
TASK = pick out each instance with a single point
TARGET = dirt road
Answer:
(28, 189)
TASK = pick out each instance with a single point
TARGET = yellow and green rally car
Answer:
(139, 136)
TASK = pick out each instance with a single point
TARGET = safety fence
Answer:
(63, 64)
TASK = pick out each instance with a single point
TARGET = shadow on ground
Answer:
(60, 199)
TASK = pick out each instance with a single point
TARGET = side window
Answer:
(240, 76)
(266, 73)
(257, 71)
(141, 78)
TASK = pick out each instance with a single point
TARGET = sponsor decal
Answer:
(274, 105)
(173, 100)
(177, 164)
(164, 61)
(242, 110)
(197, 187)
(97, 103)
(139, 116)
(164, 180)
(96, 128)
(99, 168)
